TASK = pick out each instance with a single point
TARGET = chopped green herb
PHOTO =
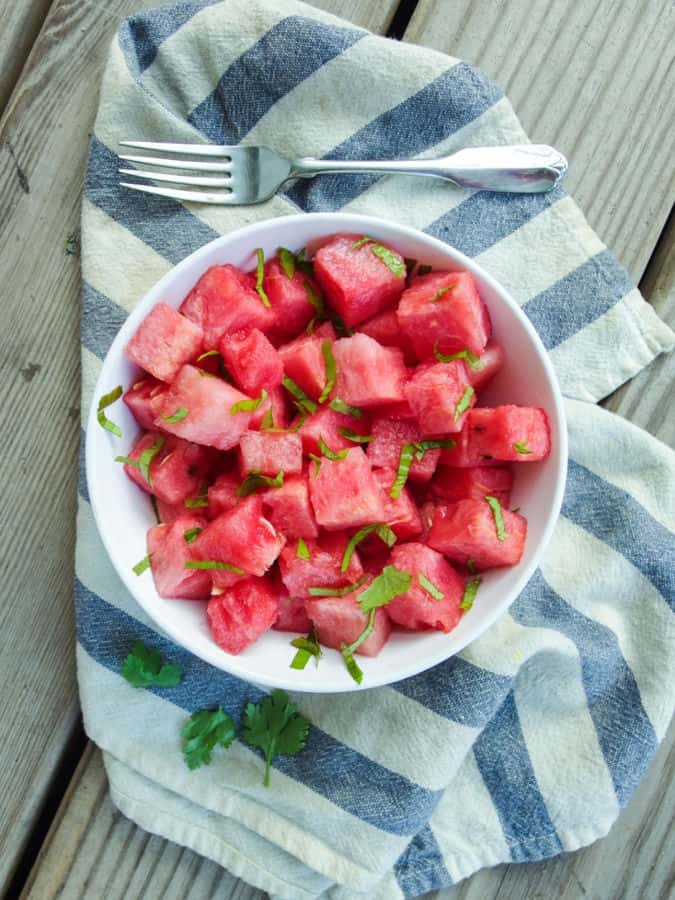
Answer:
(386, 534)
(464, 401)
(315, 299)
(203, 732)
(471, 566)
(496, 508)
(306, 647)
(353, 436)
(180, 414)
(331, 370)
(421, 447)
(331, 454)
(105, 401)
(208, 564)
(470, 592)
(522, 448)
(302, 418)
(424, 270)
(472, 360)
(301, 658)
(390, 583)
(337, 592)
(249, 405)
(430, 587)
(317, 463)
(302, 550)
(308, 406)
(275, 726)
(143, 668)
(207, 354)
(192, 534)
(206, 374)
(364, 240)
(383, 531)
(200, 502)
(147, 457)
(255, 480)
(260, 274)
(287, 260)
(340, 406)
(348, 650)
(391, 259)
(441, 292)
(267, 421)
(405, 461)
(141, 566)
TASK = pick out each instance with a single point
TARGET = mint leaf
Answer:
(354, 436)
(208, 564)
(287, 260)
(392, 260)
(521, 447)
(181, 413)
(441, 292)
(191, 534)
(337, 592)
(331, 454)
(340, 406)
(141, 566)
(307, 406)
(405, 461)
(472, 360)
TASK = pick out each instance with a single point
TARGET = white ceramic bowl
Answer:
(123, 513)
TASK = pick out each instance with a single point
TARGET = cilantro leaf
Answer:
(390, 583)
(104, 402)
(143, 668)
(260, 274)
(275, 727)
(203, 732)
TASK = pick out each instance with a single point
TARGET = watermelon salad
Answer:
(312, 442)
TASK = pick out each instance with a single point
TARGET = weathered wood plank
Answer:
(19, 26)
(597, 80)
(43, 145)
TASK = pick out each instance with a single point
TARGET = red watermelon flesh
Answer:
(304, 363)
(434, 393)
(164, 341)
(326, 423)
(452, 484)
(289, 510)
(289, 297)
(225, 300)
(239, 614)
(169, 512)
(344, 492)
(241, 537)
(509, 433)
(209, 402)
(427, 512)
(276, 402)
(386, 330)
(401, 514)
(417, 608)
(169, 551)
(339, 620)
(222, 494)
(491, 361)
(177, 471)
(462, 455)
(269, 453)
(322, 569)
(449, 320)
(292, 615)
(390, 436)
(369, 374)
(143, 398)
(466, 531)
(252, 361)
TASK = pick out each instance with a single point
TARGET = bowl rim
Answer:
(342, 221)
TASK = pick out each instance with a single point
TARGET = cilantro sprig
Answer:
(143, 667)
(275, 727)
(203, 732)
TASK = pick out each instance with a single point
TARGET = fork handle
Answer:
(521, 168)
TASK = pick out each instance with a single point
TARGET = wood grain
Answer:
(19, 26)
(43, 146)
(597, 80)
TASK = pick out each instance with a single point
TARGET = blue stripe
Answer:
(624, 731)
(284, 57)
(438, 110)
(353, 782)
(458, 690)
(161, 223)
(618, 520)
(506, 769)
(421, 868)
(82, 488)
(100, 321)
(486, 217)
(141, 36)
(584, 295)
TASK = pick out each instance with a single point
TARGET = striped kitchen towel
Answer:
(529, 742)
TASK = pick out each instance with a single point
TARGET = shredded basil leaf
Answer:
(496, 508)
(260, 274)
(147, 457)
(200, 501)
(389, 584)
(307, 647)
(287, 260)
(472, 360)
(331, 370)
(391, 259)
(141, 566)
(207, 354)
(267, 421)
(192, 534)
(302, 550)
(181, 413)
(405, 461)
(308, 406)
(104, 402)
(354, 436)
(340, 406)
(470, 592)
(364, 240)
(430, 587)
(337, 592)
(522, 448)
(441, 292)
(331, 454)
(254, 481)
(464, 401)
(249, 405)
(213, 564)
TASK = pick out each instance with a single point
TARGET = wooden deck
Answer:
(595, 79)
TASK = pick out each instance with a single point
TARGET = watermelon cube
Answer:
(176, 471)
(467, 530)
(490, 362)
(222, 494)
(289, 297)
(368, 373)
(401, 514)
(289, 510)
(427, 511)
(252, 361)
(386, 329)
(169, 512)
(326, 423)
(169, 551)
(461, 454)
(209, 403)
(344, 492)
(269, 452)
(303, 360)
(437, 394)
(164, 341)
(143, 399)
(355, 280)
(239, 614)
(291, 610)
(509, 433)
(390, 436)
(225, 300)
(443, 310)
(276, 402)
(240, 537)
(418, 608)
(339, 620)
(322, 569)
(452, 484)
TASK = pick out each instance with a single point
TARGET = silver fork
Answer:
(242, 175)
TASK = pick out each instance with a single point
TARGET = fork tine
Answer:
(179, 163)
(196, 180)
(191, 149)
(217, 198)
